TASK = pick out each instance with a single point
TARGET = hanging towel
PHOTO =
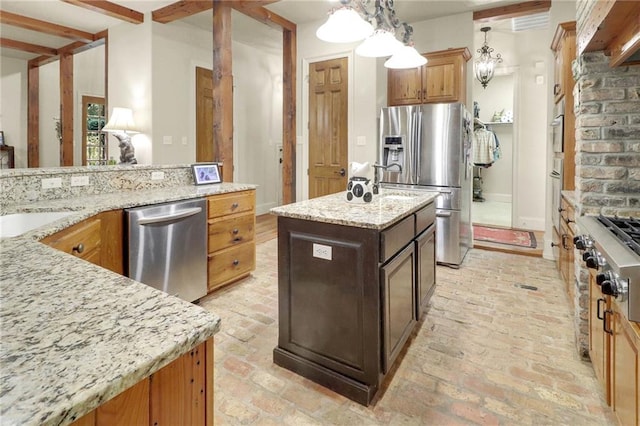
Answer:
(484, 147)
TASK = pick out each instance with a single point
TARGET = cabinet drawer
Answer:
(231, 231)
(396, 237)
(236, 202)
(80, 240)
(425, 217)
(229, 264)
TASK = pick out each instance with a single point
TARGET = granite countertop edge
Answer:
(386, 208)
(50, 298)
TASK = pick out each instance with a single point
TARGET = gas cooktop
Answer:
(627, 230)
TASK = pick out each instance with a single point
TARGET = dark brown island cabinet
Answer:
(349, 298)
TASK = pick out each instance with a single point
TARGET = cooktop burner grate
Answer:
(626, 230)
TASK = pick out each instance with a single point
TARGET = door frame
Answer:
(302, 176)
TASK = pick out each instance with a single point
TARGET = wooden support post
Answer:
(289, 116)
(222, 89)
(66, 109)
(33, 114)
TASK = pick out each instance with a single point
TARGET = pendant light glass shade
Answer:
(405, 57)
(344, 26)
(485, 65)
(381, 43)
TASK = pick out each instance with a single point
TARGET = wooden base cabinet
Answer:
(231, 246)
(625, 371)
(97, 239)
(614, 349)
(180, 393)
(566, 262)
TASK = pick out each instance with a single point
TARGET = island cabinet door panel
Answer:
(624, 371)
(328, 296)
(399, 303)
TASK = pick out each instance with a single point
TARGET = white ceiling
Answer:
(245, 30)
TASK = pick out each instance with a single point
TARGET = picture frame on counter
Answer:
(206, 173)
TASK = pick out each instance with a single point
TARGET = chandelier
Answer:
(485, 65)
(351, 22)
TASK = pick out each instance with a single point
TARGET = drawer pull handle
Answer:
(79, 248)
(235, 231)
(236, 262)
(234, 206)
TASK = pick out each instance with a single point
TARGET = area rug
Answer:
(509, 237)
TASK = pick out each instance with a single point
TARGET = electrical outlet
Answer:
(79, 180)
(184, 140)
(157, 175)
(51, 183)
(322, 251)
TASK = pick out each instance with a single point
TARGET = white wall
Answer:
(257, 116)
(88, 80)
(13, 107)
(177, 49)
(130, 83)
(49, 108)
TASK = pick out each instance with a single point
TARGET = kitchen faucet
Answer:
(376, 167)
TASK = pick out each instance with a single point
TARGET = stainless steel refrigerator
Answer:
(429, 147)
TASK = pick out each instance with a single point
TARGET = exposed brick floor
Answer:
(488, 352)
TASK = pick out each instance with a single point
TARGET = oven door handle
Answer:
(604, 322)
(598, 311)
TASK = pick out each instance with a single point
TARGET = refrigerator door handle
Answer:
(443, 214)
(417, 134)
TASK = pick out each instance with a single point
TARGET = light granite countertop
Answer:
(73, 335)
(384, 210)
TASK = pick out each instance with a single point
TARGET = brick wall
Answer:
(607, 110)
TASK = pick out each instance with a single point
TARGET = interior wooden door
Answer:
(328, 144)
(204, 115)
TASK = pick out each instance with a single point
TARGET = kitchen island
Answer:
(76, 337)
(353, 279)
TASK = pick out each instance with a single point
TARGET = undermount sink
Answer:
(13, 225)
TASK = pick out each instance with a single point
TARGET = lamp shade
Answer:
(121, 120)
(405, 57)
(344, 26)
(381, 43)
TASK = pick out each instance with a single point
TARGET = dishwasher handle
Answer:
(169, 217)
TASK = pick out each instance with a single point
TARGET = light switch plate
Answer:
(157, 175)
(184, 140)
(361, 140)
(321, 251)
(51, 183)
(79, 180)
(167, 140)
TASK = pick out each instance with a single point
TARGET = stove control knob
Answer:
(603, 277)
(583, 242)
(587, 254)
(593, 259)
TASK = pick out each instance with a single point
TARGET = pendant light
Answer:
(485, 65)
(351, 22)
(344, 26)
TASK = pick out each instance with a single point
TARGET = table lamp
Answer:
(120, 124)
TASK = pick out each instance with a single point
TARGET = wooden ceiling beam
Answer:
(512, 11)
(110, 9)
(45, 27)
(179, 10)
(255, 10)
(27, 47)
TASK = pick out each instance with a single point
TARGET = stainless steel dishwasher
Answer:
(167, 247)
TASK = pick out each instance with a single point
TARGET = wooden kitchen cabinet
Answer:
(614, 349)
(598, 338)
(97, 239)
(180, 393)
(564, 51)
(231, 243)
(566, 255)
(442, 79)
(625, 371)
